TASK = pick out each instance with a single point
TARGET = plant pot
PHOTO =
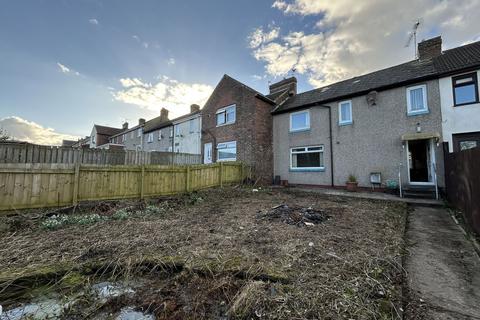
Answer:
(352, 186)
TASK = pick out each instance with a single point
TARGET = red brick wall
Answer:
(252, 129)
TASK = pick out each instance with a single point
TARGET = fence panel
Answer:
(49, 185)
(30, 153)
(462, 177)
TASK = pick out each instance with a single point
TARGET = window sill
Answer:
(299, 130)
(224, 124)
(417, 113)
(341, 124)
(226, 160)
(465, 104)
(307, 170)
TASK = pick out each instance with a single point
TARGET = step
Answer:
(425, 192)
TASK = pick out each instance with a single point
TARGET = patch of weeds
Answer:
(58, 221)
(153, 210)
(193, 198)
(121, 214)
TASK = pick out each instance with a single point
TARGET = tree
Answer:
(3, 135)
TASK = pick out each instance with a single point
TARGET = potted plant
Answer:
(352, 183)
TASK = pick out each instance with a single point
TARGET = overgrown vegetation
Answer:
(211, 255)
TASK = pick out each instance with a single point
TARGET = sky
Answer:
(68, 64)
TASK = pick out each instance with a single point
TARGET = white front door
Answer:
(207, 153)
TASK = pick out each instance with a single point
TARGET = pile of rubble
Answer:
(295, 215)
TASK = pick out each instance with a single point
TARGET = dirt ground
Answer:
(220, 254)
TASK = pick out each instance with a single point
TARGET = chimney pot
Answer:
(430, 48)
(194, 108)
(141, 121)
(125, 126)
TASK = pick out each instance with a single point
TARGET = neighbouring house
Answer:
(237, 126)
(459, 95)
(129, 138)
(187, 132)
(82, 143)
(158, 133)
(100, 135)
(384, 128)
(68, 143)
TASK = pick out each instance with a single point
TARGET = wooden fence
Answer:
(462, 179)
(49, 185)
(30, 153)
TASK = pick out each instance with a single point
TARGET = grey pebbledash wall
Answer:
(372, 143)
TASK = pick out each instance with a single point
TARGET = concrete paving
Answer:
(443, 267)
(371, 195)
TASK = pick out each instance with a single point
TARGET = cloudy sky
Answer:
(67, 64)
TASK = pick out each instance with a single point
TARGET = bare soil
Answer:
(221, 254)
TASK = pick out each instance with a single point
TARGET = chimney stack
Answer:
(430, 48)
(289, 84)
(194, 108)
(141, 121)
(163, 114)
(125, 126)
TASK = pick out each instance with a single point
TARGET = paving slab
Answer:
(442, 265)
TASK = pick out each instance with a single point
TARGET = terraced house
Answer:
(385, 128)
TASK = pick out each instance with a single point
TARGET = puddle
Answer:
(107, 290)
(130, 314)
(46, 309)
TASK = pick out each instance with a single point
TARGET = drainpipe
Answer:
(331, 139)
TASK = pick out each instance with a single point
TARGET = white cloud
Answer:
(63, 68)
(93, 21)
(24, 130)
(139, 40)
(168, 93)
(355, 37)
(259, 37)
(171, 61)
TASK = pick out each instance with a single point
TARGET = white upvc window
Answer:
(159, 134)
(132, 134)
(345, 112)
(139, 132)
(192, 126)
(226, 115)
(227, 151)
(300, 121)
(178, 132)
(417, 100)
(307, 158)
(150, 137)
(171, 132)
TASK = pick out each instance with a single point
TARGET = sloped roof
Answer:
(453, 60)
(107, 131)
(155, 124)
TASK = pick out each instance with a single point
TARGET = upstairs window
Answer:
(139, 132)
(345, 112)
(160, 135)
(178, 132)
(417, 100)
(226, 115)
(299, 121)
(227, 151)
(192, 126)
(465, 89)
(150, 137)
(307, 158)
(171, 132)
(132, 134)
(123, 137)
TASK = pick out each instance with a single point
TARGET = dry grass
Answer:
(231, 262)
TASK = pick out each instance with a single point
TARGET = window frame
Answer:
(307, 112)
(474, 81)
(223, 111)
(425, 109)
(345, 122)
(150, 137)
(226, 146)
(139, 132)
(321, 151)
(191, 125)
(159, 135)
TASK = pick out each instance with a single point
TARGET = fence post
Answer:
(221, 174)
(76, 183)
(142, 182)
(188, 179)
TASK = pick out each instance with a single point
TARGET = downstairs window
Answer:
(307, 158)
